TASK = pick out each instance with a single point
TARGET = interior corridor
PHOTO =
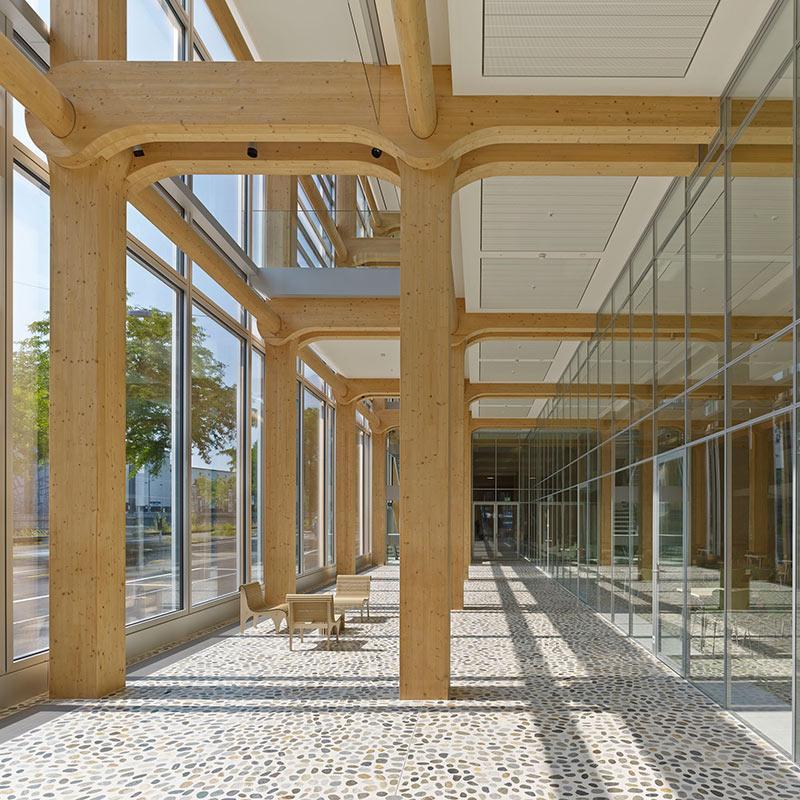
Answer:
(548, 701)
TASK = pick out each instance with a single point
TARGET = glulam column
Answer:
(467, 497)
(280, 472)
(378, 497)
(281, 222)
(346, 488)
(87, 429)
(427, 318)
(457, 476)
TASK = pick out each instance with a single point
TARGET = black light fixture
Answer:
(252, 151)
(377, 152)
(138, 151)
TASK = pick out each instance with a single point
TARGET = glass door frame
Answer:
(673, 455)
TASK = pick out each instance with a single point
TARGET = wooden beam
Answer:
(358, 388)
(34, 90)
(230, 29)
(388, 419)
(170, 222)
(280, 472)
(87, 430)
(413, 42)
(165, 159)
(280, 225)
(577, 159)
(326, 220)
(374, 251)
(330, 102)
(332, 378)
(346, 207)
(427, 321)
(377, 219)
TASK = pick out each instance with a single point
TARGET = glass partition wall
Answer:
(675, 517)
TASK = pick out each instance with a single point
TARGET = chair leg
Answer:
(290, 638)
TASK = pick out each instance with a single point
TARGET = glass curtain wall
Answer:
(191, 362)
(316, 544)
(693, 551)
(364, 450)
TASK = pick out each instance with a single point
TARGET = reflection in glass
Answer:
(760, 606)
(151, 237)
(28, 415)
(256, 467)
(216, 365)
(152, 532)
(154, 33)
(207, 28)
(313, 481)
(641, 522)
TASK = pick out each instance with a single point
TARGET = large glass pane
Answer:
(211, 289)
(313, 481)
(642, 358)
(20, 129)
(215, 429)
(28, 415)
(152, 529)
(619, 524)
(760, 606)
(360, 478)
(483, 531)
(222, 195)
(641, 524)
(154, 33)
(330, 486)
(670, 311)
(206, 26)
(507, 530)
(256, 467)
(762, 381)
(151, 237)
(706, 223)
(706, 567)
(670, 554)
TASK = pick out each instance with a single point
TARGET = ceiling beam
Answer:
(170, 222)
(230, 29)
(413, 42)
(361, 388)
(34, 90)
(165, 159)
(121, 104)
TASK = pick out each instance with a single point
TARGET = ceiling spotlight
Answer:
(138, 151)
(376, 152)
(252, 151)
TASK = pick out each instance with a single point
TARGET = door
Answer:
(483, 519)
(670, 556)
(507, 530)
(495, 531)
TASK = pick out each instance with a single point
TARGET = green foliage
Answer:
(149, 343)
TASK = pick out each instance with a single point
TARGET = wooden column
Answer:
(457, 459)
(346, 489)
(427, 318)
(280, 472)
(346, 205)
(88, 30)
(467, 542)
(87, 429)
(281, 222)
(378, 497)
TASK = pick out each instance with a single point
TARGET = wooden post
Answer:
(280, 473)
(88, 30)
(467, 520)
(281, 222)
(427, 318)
(346, 204)
(378, 497)
(457, 458)
(87, 429)
(346, 488)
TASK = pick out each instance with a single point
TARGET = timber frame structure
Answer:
(93, 109)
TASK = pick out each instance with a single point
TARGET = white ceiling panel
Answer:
(361, 358)
(500, 350)
(511, 372)
(551, 213)
(546, 284)
(593, 38)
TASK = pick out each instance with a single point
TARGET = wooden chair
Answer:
(313, 611)
(352, 591)
(252, 604)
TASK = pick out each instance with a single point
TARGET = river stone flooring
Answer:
(548, 702)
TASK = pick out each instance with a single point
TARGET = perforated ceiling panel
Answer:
(592, 38)
(537, 283)
(551, 214)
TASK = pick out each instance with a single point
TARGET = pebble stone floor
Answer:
(548, 702)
